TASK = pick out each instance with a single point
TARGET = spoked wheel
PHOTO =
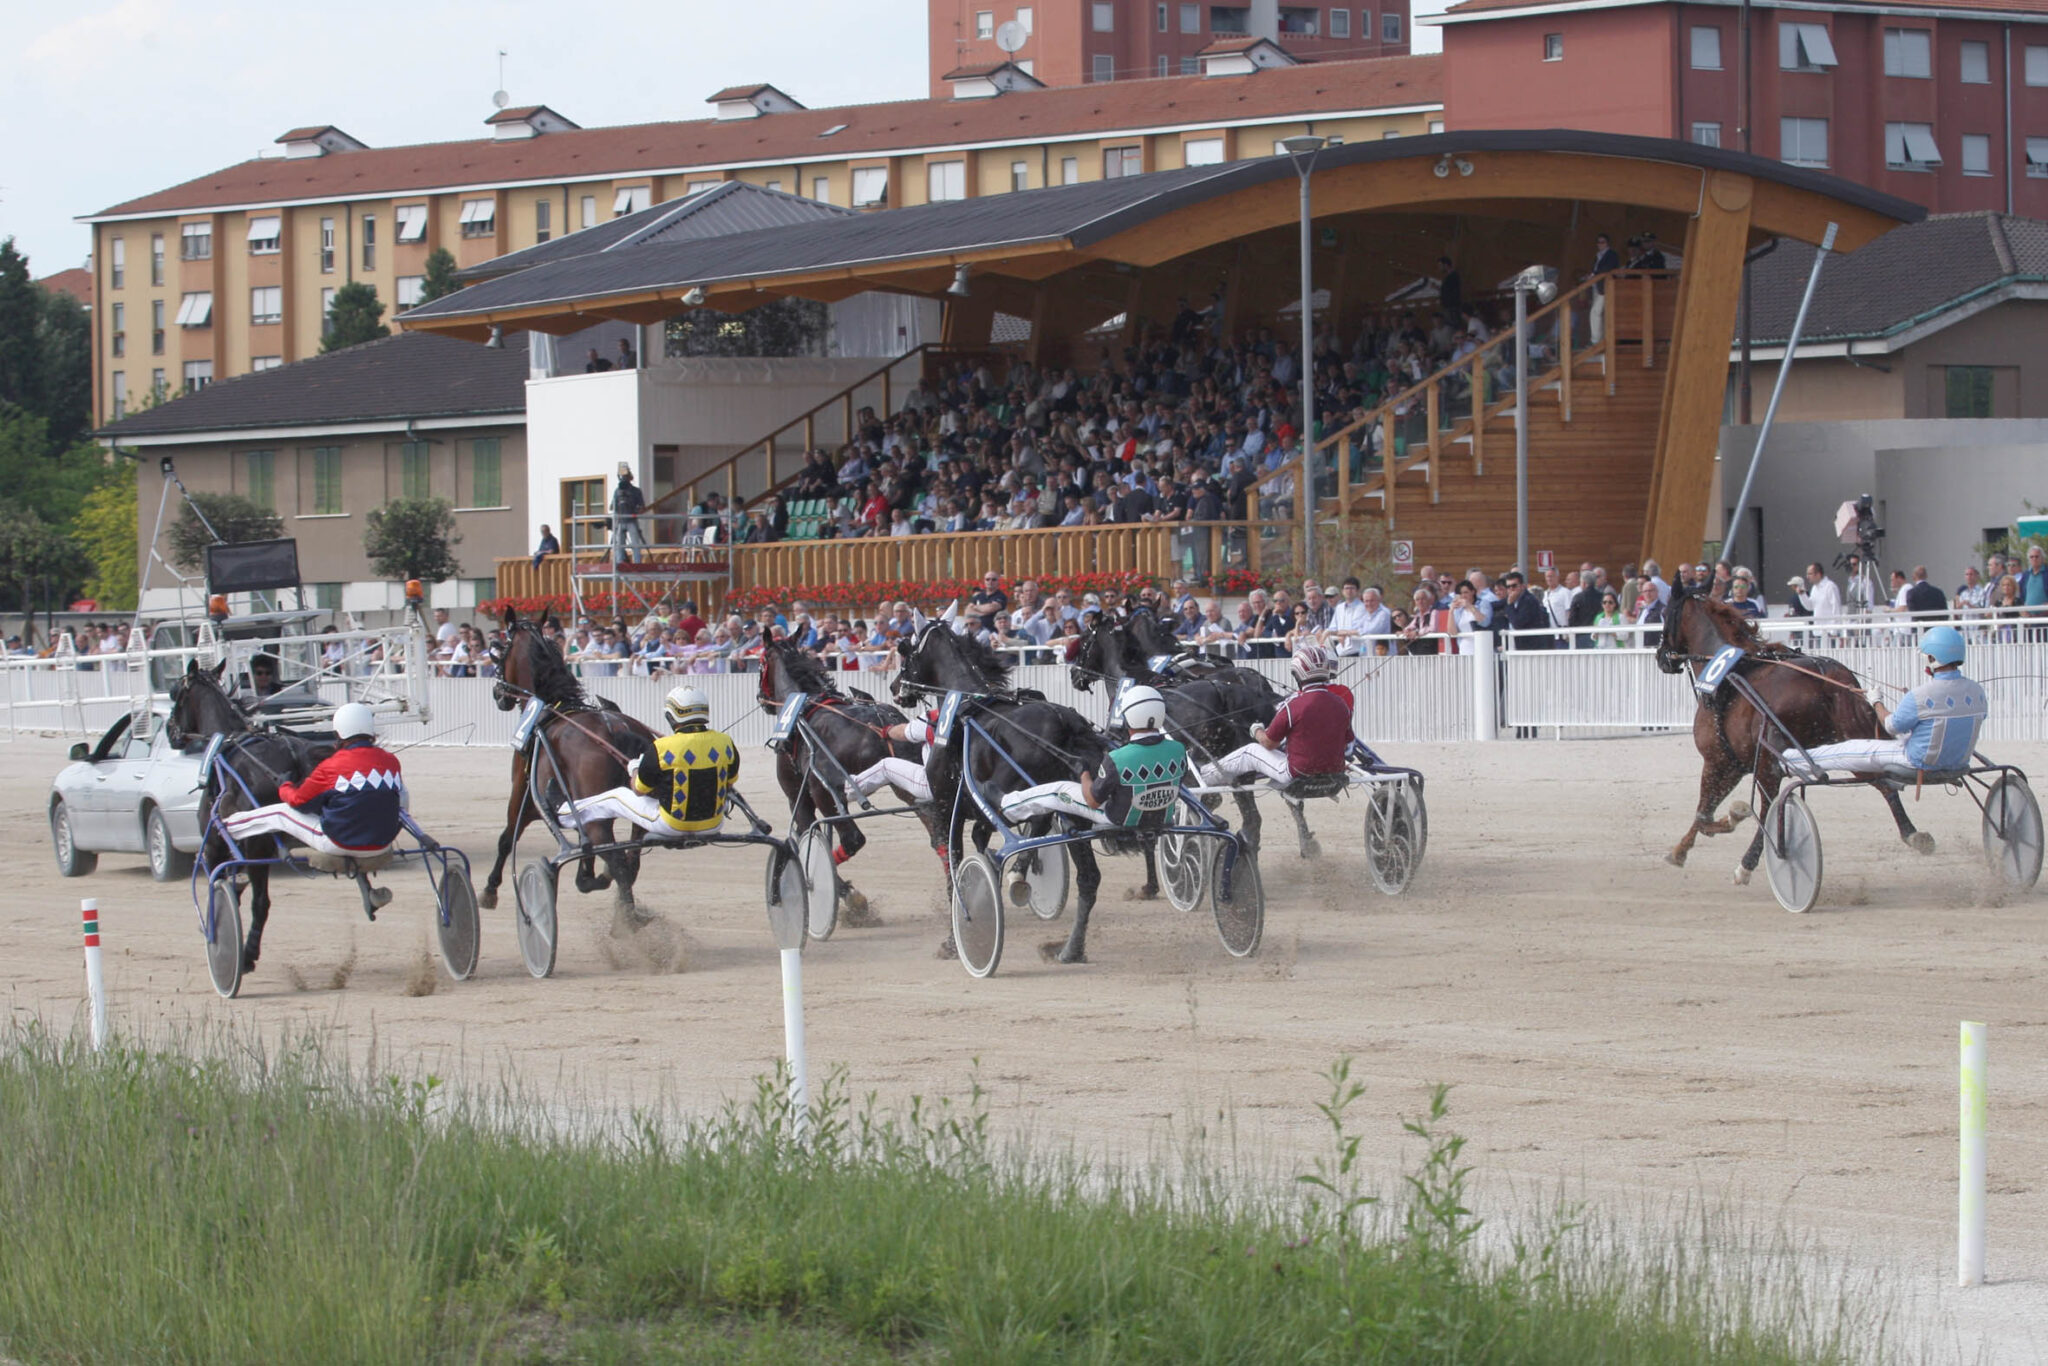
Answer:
(1045, 881)
(1184, 870)
(1238, 899)
(2012, 831)
(1392, 842)
(534, 889)
(1792, 860)
(789, 898)
(814, 852)
(456, 921)
(978, 914)
(224, 939)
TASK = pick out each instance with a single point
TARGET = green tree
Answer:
(20, 315)
(355, 316)
(35, 474)
(236, 518)
(64, 355)
(105, 530)
(440, 279)
(413, 538)
(38, 560)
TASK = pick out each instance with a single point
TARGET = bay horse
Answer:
(260, 759)
(1817, 699)
(1049, 742)
(579, 749)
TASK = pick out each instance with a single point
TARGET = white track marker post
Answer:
(1970, 1201)
(95, 979)
(1485, 687)
(793, 1041)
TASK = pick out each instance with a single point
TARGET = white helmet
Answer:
(353, 719)
(1142, 708)
(684, 706)
(1311, 664)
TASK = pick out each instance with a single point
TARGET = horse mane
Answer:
(983, 657)
(805, 669)
(554, 682)
(1736, 628)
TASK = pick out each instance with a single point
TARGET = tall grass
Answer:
(287, 1205)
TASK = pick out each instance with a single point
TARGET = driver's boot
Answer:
(375, 899)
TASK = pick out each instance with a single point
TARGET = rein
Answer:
(569, 718)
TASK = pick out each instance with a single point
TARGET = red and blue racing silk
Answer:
(357, 793)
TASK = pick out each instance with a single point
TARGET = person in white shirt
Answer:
(1822, 598)
(1557, 597)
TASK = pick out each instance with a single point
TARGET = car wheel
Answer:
(72, 861)
(166, 862)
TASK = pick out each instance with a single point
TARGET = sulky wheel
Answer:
(1045, 880)
(2012, 831)
(224, 939)
(1237, 898)
(978, 914)
(456, 921)
(534, 889)
(814, 853)
(788, 897)
(1392, 842)
(1184, 869)
(1792, 859)
(1418, 817)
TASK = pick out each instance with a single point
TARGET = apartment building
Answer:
(1071, 42)
(1941, 102)
(233, 272)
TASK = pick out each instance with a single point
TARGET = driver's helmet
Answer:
(1142, 708)
(1311, 664)
(1943, 645)
(686, 708)
(353, 720)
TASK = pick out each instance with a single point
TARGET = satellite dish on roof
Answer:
(1010, 35)
(500, 98)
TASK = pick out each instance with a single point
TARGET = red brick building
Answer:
(1939, 102)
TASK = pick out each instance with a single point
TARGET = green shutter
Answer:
(327, 481)
(487, 485)
(261, 469)
(414, 473)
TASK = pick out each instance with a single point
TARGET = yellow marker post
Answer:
(1970, 1201)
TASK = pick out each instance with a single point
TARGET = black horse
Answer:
(261, 760)
(1818, 700)
(850, 732)
(1051, 743)
(579, 749)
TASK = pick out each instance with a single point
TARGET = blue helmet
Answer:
(1943, 645)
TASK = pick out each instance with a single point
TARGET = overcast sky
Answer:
(110, 99)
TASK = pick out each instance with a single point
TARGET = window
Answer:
(265, 232)
(1340, 23)
(821, 189)
(1707, 134)
(1804, 47)
(1553, 47)
(1365, 24)
(984, 24)
(1975, 61)
(1161, 7)
(325, 481)
(327, 246)
(1803, 142)
(326, 308)
(486, 474)
(415, 473)
(1070, 170)
(369, 241)
(259, 477)
(479, 217)
(871, 185)
(156, 327)
(1706, 48)
(410, 287)
(1191, 66)
(412, 222)
(1390, 135)
(120, 383)
(1229, 21)
(1976, 154)
(1024, 18)
(157, 385)
(697, 185)
(266, 304)
(1122, 161)
(195, 310)
(943, 180)
(1908, 52)
(326, 597)
(196, 240)
(1102, 67)
(156, 258)
(1202, 152)
(774, 185)
(2037, 66)
(1300, 23)
(257, 363)
(589, 219)
(1390, 28)
(1436, 125)
(1968, 391)
(1190, 18)
(2037, 157)
(1910, 147)
(117, 267)
(1020, 175)
(1160, 68)
(120, 338)
(1105, 16)
(543, 214)
(632, 199)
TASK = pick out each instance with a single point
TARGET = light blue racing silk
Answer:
(1940, 720)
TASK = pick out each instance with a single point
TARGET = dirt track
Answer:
(1604, 1017)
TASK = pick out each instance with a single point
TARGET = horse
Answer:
(260, 760)
(1049, 742)
(851, 733)
(591, 747)
(1817, 699)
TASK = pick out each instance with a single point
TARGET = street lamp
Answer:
(1535, 280)
(1302, 151)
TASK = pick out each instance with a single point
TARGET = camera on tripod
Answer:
(1856, 524)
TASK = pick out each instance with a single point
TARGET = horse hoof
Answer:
(488, 899)
(1742, 875)
(1920, 842)
(947, 952)
(1055, 951)
(248, 963)
(1311, 851)
(1738, 812)
(855, 912)
(1675, 860)
(1141, 893)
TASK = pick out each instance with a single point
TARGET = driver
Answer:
(907, 776)
(1309, 735)
(348, 804)
(267, 689)
(682, 784)
(1114, 793)
(1935, 726)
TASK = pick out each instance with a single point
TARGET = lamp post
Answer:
(1302, 151)
(1529, 281)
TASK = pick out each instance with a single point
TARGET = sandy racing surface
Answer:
(1605, 1019)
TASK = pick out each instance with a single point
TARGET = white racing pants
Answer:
(1254, 759)
(281, 819)
(907, 776)
(1050, 799)
(1849, 756)
(615, 804)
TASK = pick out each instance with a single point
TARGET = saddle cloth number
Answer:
(786, 719)
(949, 712)
(529, 717)
(1710, 678)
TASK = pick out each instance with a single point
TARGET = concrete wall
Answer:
(2011, 338)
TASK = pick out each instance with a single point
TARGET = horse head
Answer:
(786, 668)
(529, 665)
(1099, 656)
(201, 706)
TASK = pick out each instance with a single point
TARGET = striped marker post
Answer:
(95, 978)
(1970, 1167)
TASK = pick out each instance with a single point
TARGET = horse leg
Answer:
(1918, 840)
(1309, 848)
(1248, 819)
(588, 879)
(1150, 891)
(259, 916)
(515, 810)
(1087, 879)
(1717, 780)
(1767, 781)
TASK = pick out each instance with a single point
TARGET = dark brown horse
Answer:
(1818, 700)
(579, 749)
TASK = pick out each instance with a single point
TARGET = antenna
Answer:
(498, 96)
(1010, 35)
